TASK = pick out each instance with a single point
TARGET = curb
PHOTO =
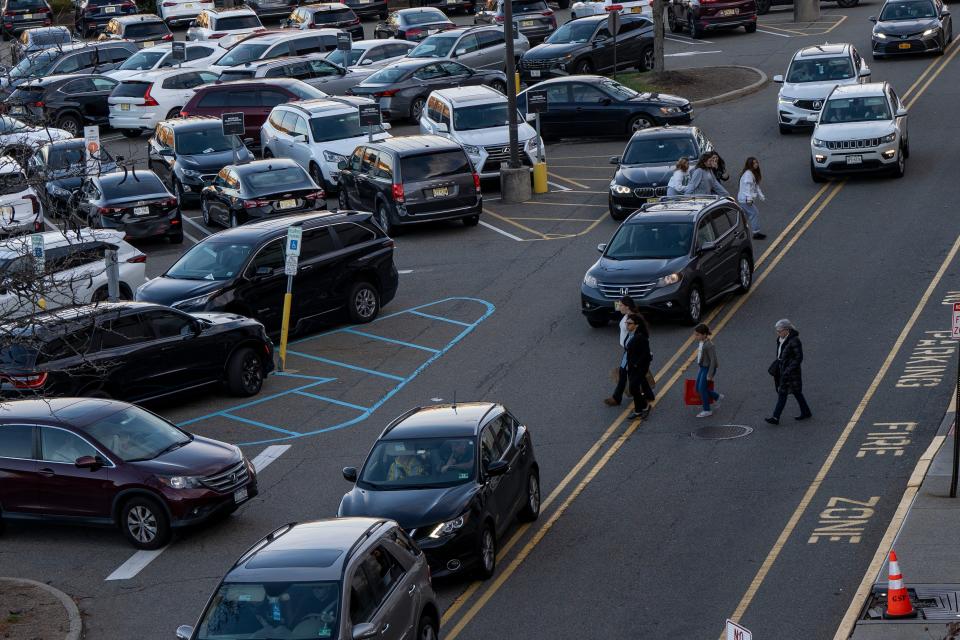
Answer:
(73, 613)
(736, 93)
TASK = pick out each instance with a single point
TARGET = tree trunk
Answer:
(658, 8)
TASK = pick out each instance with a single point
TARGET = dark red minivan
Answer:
(98, 461)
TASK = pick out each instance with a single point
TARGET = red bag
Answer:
(690, 395)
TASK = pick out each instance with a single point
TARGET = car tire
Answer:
(639, 123)
(179, 192)
(597, 323)
(205, 213)
(763, 6)
(673, 23)
(267, 154)
(363, 303)
(427, 629)
(906, 148)
(130, 133)
(695, 32)
(816, 175)
(786, 129)
(342, 202)
(176, 237)
(173, 113)
(144, 523)
(584, 67)
(901, 166)
(383, 218)
(531, 507)
(316, 175)
(750, 28)
(416, 108)
(71, 124)
(646, 60)
(244, 373)
(471, 221)
(486, 553)
(496, 85)
(694, 307)
(744, 273)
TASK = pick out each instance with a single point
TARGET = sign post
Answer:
(955, 334)
(736, 632)
(292, 254)
(344, 41)
(538, 103)
(233, 126)
(179, 53)
(613, 26)
(370, 117)
(38, 251)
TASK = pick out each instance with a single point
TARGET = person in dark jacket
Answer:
(627, 306)
(638, 364)
(786, 371)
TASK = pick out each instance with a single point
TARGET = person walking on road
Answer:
(750, 194)
(638, 359)
(626, 306)
(707, 368)
(680, 177)
(703, 180)
(786, 371)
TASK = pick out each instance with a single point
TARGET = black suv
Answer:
(90, 16)
(19, 15)
(647, 163)
(69, 102)
(131, 351)
(346, 264)
(411, 179)
(94, 57)
(673, 256)
(454, 476)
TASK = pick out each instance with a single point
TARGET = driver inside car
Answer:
(406, 465)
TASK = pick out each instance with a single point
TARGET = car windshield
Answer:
(136, 184)
(650, 240)
(336, 127)
(231, 23)
(146, 29)
(12, 182)
(142, 60)
(246, 52)
(855, 110)
(618, 90)
(210, 261)
(575, 31)
(19, 5)
(200, 141)
(65, 157)
(422, 463)
(482, 116)
(136, 434)
(50, 37)
(436, 46)
(435, 165)
(305, 91)
(424, 17)
(273, 180)
(276, 610)
(820, 70)
(345, 58)
(35, 65)
(912, 10)
(387, 75)
(529, 6)
(658, 150)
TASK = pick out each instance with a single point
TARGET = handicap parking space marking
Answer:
(772, 33)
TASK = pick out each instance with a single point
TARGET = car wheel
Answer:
(363, 302)
(695, 304)
(744, 273)
(785, 129)
(130, 133)
(205, 212)
(342, 199)
(487, 553)
(145, 523)
(496, 85)
(71, 124)
(763, 6)
(584, 67)
(178, 191)
(317, 175)
(901, 167)
(531, 508)
(906, 148)
(245, 373)
(816, 175)
(646, 60)
(383, 218)
(471, 221)
(639, 123)
(597, 323)
(695, 32)
(100, 295)
(427, 629)
(173, 113)
(416, 108)
(750, 28)
(267, 154)
(176, 237)
(673, 23)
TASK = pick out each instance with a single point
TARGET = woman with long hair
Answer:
(703, 179)
(750, 193)
(680, 176)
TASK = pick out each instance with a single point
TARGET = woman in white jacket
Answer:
(750, 193)
(680, 177)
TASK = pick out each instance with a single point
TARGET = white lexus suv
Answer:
(812, 74)
(860, 129)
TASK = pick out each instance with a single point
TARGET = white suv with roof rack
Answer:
(138, 104)
(213, 24)
(199, 54)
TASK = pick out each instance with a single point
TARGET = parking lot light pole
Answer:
(511, 70)
(806, 10)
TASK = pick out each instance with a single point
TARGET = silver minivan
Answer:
(476, 47)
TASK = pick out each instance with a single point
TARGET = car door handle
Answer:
(47, 472)
(306, 268)
(412, 590)
(386, 628)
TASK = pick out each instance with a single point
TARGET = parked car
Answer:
(862, 128)
(255, 98)
(20, 210)
(179, 12)
(672, 257)
(111, 463)
(75, 271)
(476, 118)
(61, 166)
(259, 190)
(313, 70)
(39, 39)
(402, 87)
(91, 16)
(138, 104)
(274, 44)
(19, 139)
(135, 202)
(911, 26)
(410, 180)
(533, 18)
(647, 163)
(240, 270)
(213, 24)
(699, 16)
(603, 7)
(332, 15)
(413, 24)
(157, 57)
(812, 74)
(71, 102)
(366, 8)
(187, 153)
(585, 46)
(376, 584)
(81, 57)
(450, 6)
(143, 28)
(763, 6)
(272, 9)
(454, 477)
(475, 47)
(371, 53)
(318, 135)
(598, 106)
(20, 15)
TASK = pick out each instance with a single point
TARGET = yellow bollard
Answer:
(540, 177)
(516, 81)
(285, 329)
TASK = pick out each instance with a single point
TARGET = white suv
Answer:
(477, 117)
(860, 129)
(138, 104)
(213, 24)
(199, 54)
(177, 12)
(317, 135)
(812, 73)
(19, 205)
(599, 7)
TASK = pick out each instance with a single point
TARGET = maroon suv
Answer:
(106, 462)
(700, 16)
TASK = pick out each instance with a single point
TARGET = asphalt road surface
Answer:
(646, 531)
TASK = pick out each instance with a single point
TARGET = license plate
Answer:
(189, 5)
(124, 106)
(109, 9)
(636, 9)
(286, 204)
(653, 199)
(854, 159)
(141, 211)
(904, 45)
(240, 495)
(16, 110)
(534, 73)
(527, 23)
(6, 212)
(430, 32)
(452, 1)
(28, 16)
(148, 43)
(729, 12)
(441, 192)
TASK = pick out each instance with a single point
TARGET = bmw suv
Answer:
(673, 256)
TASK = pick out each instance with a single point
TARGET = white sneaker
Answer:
(716, 403)
(705, 414)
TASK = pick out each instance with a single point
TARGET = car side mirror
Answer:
(530, 117)
(872, 18)
(184, 632)
(865, 73)
(365, 62)
(87, 462)
(944, 13)
(459, 52)
(708, 246)
(262, 272)
(901, 112)
(778, 79)
(497, 468)
(602, 247)
(350, 474)
(442, 127)
(365, 630)
(615, 160)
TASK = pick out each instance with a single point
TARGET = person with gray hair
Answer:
(786, 372)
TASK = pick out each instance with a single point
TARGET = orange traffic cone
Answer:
(898, 600)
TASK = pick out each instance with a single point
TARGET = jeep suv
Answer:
(672, 256)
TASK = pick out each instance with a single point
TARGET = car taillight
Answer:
(129, 5)
(385, 94)
(355, 22)
(109, 210)
(169, 202)
(498, 19)
(414, 32)
(34, 202)
(250, 204)
(38, 103)
(167, 37)
(398, 193)
(614, 7)
(9, 13)
(148, 100)
(316, 195)
(547, 13)
(31, 381)
(214, 36)
(476, 181)
(169, 4)
(140, 258)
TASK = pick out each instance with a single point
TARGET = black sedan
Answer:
(454, 477)
(135, 202)
(133, 351)
(61, 167)
(598, 106)
(911, 26)
(413, 24)
(257, 190)
(69, 102)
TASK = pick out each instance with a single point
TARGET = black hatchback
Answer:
(346, 265)
(454, 477)
(135, 202)
(674, 257)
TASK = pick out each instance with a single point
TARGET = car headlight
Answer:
(930, 32)
(669, 110)
(620, 189)
(180, 482)
(673, 278)
(532, 144)
(191, 173)
(820, 143)
(198, 301)
(450, 527)
(879, 35)
(890, 137)
(590, 281)
(471, 150)
(786, 100)
(330, 156)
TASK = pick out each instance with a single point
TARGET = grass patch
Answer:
(13, 618)
(642, 82)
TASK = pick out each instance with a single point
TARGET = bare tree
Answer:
(658, 35)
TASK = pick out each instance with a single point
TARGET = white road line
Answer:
(688, 53)
(404, 272)
(687, 41)
(771, 33)
(138, 561)
(559, 186)
(501, 231)
(206, 231)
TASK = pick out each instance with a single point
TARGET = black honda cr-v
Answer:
(672, 256)
(345, 265)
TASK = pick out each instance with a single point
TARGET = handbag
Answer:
(774, 368)
(691, 397)
(651, 380)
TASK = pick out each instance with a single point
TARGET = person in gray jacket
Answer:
(703, 179)
(707, 363)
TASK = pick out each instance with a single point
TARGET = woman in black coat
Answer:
(638, 364)
(786, 371)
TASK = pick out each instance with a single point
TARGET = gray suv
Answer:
(334, 578)
(475, 47)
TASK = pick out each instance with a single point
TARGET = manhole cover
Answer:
(722, 432)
